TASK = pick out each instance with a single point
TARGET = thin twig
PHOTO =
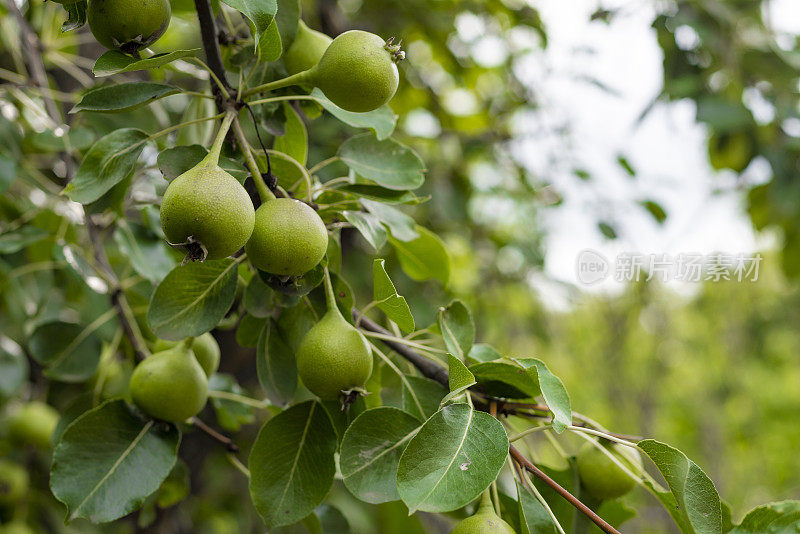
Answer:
(574, 501)
(225, 440)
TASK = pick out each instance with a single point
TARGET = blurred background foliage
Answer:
(714, 374)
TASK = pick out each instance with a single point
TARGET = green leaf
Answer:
(148, 254)
(423, 258)
(381, 121)
(261, 14)
(173, 162)
(249, 330)
(607, 230)
(773, 518)
(68, 352)
(50, 141)
(387, 163)
(192, 299)
(533, 516)
(459, 376)
(109, 160)
(123, 97)
(258, 298)
(553, 391)
(400, 224)
(458, 329)
(269, 45)
(109, 460)
(294, 141)
(76, 15)
(231, 415)
(481, 352)
(389, 302)
(506, 379)
(369, 226)
(287, 17)
(381, 194)
(13, 368)
(454, 457)
(114, 62)
(421, 397)
(371, 451)
(693, 501)
(276, 366)
(291, 464)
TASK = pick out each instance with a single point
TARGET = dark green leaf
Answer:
(109, 460)
(369, 226)
(421, 396)
(147, 253)
(109, 160)
(655, 209)
(192, 299)
(371, 450)
(454, 457)
(114, 62)
(13, 368)
(553, 391)
(400, 224)
(123, 97)
(457, 327)
(291, 464)
(260, 14)
(506, 379)
(277, 368)
(69, 352)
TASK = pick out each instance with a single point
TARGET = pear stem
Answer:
(213, 153)
(263, 191)
(187, 343)
(294, 79)
(330, 297)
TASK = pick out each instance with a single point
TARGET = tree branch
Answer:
(440, 374)
(208, 31)
(225, 440)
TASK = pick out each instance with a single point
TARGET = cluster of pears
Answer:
(172, 383)
(600, 476)
(484, 521)
(357, 70)
(125, 25)
(209, 213)
(334, 359)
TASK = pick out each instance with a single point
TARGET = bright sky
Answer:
(705, 211)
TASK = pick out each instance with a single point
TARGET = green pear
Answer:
(357, 72)
(601, 477)
(205, 209)
(13, 482)
(484, 521)
(289, 238)
(170, 385)
(306, 50)
(204, 348)
(128, 25)
(33, 423)
(333, 358)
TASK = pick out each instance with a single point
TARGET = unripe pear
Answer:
(205, 350)
(170, 385)
(601, 477)
(128, 25)
(13, 482)
(289, 238)
(357, 72)
(33, 424)
(334, 357)
(208, 207)
(306, 49)
(484, 521)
